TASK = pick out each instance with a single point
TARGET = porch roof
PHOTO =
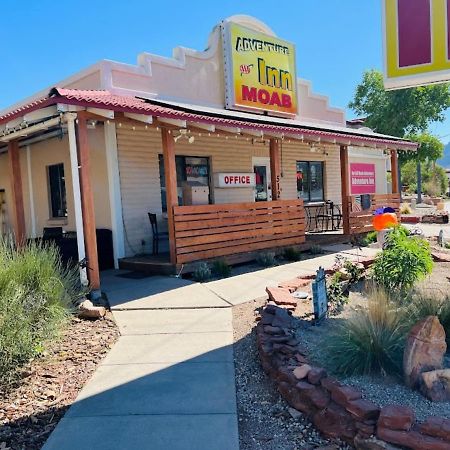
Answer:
(314, 131)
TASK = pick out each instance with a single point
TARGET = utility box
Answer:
(195, 193)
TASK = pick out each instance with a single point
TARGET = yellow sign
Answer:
(259, 71)
(416, 42)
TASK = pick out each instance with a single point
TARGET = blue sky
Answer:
(46, 41)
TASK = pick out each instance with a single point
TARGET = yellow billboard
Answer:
(259, 71)
(416, 42)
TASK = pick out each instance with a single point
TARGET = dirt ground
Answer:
(30, 411)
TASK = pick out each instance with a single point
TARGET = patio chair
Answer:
(325, 216)
(156, 234)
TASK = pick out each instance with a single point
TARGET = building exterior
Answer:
(231, 156)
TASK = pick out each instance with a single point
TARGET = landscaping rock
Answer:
(435, 385)
(372, 443)
(302, 371)
(396, 417)
(330, 383)
(316, 374)
(335, 422)
(87, 310)
(440, 256)
(295, 284)
(363, 409)
(343, 395)
(281, 296)
(318, 396)
(269, 329)
(282, 318)
(411, 439)
(436, 427)
(424, 350)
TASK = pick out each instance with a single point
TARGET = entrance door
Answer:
(263, 188)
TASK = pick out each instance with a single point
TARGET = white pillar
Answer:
(76, 193)
(30, 193)
(115, 198)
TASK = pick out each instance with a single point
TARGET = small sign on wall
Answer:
(362, 178)
(234, 180)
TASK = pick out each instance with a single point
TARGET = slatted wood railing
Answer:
(361, 221)
(210, 231)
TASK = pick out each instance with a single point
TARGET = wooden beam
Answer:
(87, 203)
(345, 188)
(17, 192)
(275, 170)
(170, 175)
(394, 172)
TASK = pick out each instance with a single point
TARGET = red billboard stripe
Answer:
(414, 32)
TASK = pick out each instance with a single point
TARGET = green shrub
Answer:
(202, 272)
(370, 341)
(355, 271)
(292, 254)
(404, 260)
(266, 259)
(369, 238)
(36, 295)
(335, 294)
(221, 268)
(316, 250)
(447, 245)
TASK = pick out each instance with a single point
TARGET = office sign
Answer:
(362, 178)
(260, 71)
(228, 180)
(416, 42)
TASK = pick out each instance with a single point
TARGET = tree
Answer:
(430, 149)
(399, 112)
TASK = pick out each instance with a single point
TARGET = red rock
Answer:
(330, 383)
(281, 296)
(281, 340)
(284, 348)
(363, 443)
(424, 350)
(282, 319)
(269, 329)
(367, 430)
(293, 398)
(345, 394)
(440, 256)
(396, 417)
(284, 374)
(319, 397)
(295, 284)
(363, 409)
(335, 422)
(435, 385)
(411, 439)
(270, 309)
(436, 427)
(316, 374)
(300, 358)
(302, 371)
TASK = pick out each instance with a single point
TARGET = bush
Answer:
(221, 268)
(266, 259)
(292, 254)
(370, 341)
(202, 272)
(355, 271)
(36, 295)
(405, 208)
(335, 294)
(404, 260)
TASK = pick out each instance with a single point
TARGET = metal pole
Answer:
(419, 182)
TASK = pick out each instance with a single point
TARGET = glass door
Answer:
(261, 168)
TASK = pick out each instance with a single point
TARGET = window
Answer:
(57, 190)
(190, 169)
(310, 181)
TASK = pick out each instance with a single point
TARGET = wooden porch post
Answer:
(275, 170)
(345, 189)
(394, 172)
(170, 175)
(16, 191)
(87, 203)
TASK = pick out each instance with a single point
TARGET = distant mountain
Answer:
(445, 161)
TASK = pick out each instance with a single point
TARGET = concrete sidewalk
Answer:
(168, 383)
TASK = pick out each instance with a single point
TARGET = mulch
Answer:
(30, 410)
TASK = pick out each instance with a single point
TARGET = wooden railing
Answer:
(361, 221)
(210, 231)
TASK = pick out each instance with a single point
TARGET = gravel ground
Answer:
(265, 421)
(30, 411)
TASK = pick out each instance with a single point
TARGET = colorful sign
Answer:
(259, 71)
(362, 178)
(416, 42)
(228, 180)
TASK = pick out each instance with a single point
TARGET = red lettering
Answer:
(249, 94)
(226, 179)
(275, 100)
(247, 179)
(263, 96)
(286, 101)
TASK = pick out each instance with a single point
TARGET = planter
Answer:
(410, 219)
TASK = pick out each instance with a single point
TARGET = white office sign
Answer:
(234, 180)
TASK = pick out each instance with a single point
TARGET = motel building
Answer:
(227, 149)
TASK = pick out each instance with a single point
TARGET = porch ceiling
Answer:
(203, 117)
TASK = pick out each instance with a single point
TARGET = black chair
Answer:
(52, 234)
(325, 216)
(337, 217)
(156, 233)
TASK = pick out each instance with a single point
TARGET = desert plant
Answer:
(202, 272)
(404, 260)
(405, 208)
(447, 245)
(369, 238)
(316, 250)
(355, 271)
(37, 293)
(221, 268)
(292, 254)
(370, 341)
(266, 259)
(335, 294)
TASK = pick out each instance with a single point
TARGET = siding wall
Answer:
(140, 184)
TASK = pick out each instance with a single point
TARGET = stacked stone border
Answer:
(336, 410)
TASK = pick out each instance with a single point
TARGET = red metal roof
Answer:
(119, 103)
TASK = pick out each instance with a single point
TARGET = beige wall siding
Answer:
(140, 184)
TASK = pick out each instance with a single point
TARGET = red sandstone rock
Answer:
(316, 374)
(363, 409)
(282, 318)
(345, 394)
(293, 398)
(424, 350)
(440, 256)
(330, 383)
(295, 284)
(284, 374)
(302, 371)
(367, 430)
(436, 427)
(281, 296)
(396, 417)
(319, 397)
(300, 358)
(362, 443)
(435, 385)
(411, 439)
(335, 422)
(273, 330)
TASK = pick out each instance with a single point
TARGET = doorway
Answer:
(263, 188)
